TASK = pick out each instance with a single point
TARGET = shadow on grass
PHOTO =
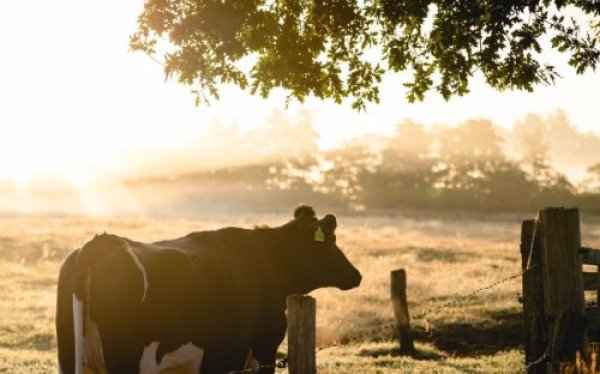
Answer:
(503, 330)
(420, 354)
(499, 330)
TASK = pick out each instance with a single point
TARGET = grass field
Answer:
(444, 255)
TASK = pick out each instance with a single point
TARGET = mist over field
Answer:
(473, 165)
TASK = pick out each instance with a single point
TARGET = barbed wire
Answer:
(279, 364)
(532, 364)
(454, 301)
(392, 326)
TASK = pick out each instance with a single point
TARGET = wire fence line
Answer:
(279, 364)
(392, 326)
(542, 359)
(451, 303)
(456, 300)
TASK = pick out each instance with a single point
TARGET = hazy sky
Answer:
(74, 99)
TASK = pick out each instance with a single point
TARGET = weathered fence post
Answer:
(301, 334)
(533, 296)
(563, 285)
(398, 291)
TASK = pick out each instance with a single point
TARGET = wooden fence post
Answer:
(398, 291)
(301, 334)
(533, 296)
(563, 285)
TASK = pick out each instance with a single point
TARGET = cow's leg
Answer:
(266, 359)
(264, 349)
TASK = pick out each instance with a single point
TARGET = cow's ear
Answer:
(306, 219)
(328, 223)
(304, 211)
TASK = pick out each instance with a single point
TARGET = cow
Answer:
(208, 302)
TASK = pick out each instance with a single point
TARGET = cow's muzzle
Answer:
(352, 281)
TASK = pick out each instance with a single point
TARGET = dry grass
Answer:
(444, 256)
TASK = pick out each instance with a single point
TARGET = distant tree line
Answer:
(467, 167)
(473, 166)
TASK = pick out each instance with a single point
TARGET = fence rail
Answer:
(590, 256)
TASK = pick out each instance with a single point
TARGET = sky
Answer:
(74, 100)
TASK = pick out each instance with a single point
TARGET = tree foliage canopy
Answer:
(341, 48)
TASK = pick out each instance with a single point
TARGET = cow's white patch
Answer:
(148, 361)
(185, 359)
(89, 356)
(139, 265)
(78, 331)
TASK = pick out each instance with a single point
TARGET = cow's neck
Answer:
(274, 269)
(279, 267)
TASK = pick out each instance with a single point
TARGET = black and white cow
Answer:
(209, 302)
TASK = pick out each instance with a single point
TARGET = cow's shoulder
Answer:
(67, 268)
(100, 246)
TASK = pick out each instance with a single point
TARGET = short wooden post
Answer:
(533, 296)
(598, 291)
(563, 285)
(301, 312)
(595, 330)
(398, 293)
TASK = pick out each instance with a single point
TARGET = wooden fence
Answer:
(556, 318)
(301, 310)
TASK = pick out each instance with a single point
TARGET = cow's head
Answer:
(312, 256)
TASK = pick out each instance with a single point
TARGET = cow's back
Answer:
(160, 296)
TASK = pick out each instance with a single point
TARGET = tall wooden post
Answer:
(398, 291)
(563, 285)
(533, 296)
(301, 311)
